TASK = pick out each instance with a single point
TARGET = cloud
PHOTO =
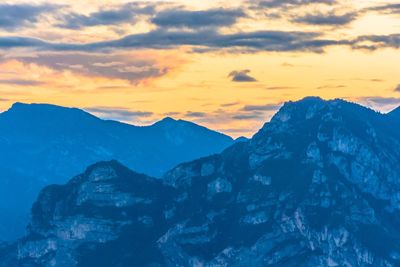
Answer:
(14, 16)
(326, 19)
(197, 19)
(373, 42)
(230, 104)
(241, 76)
(7, 42)
(210, 39)
(118, 113)
(279, 87)
(191, 114)
(381, 100)
(254, 116)
(134, 67)
(330, 86)
(397, 89)
(259, 40)
(267, 107)
(172, 113)
(288, 3)
(122, 14)
(386, 9)
(21, 82)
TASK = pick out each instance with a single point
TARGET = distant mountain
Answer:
(317, 186)
(44, 144)
(395, 113)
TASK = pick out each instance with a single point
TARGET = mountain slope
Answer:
(316, 186)
(44, 144)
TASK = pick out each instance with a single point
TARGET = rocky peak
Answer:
(317, 190)
(95, 207)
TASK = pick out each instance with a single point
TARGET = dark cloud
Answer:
(21, 82)
(7, 42)
(260, 40)
(210, 40)
(241, 76)
(397, 89)
(197, 19)
(267, 107)
(161, 39)
(373, 42)
(14, 16)
(192, 114)
(118, 113)
(386, 9)
(123, 14)
(328, 19)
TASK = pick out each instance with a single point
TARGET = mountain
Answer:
(44, 144)
(395, 113)
(317, 186)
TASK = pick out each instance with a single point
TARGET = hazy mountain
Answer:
(43, 144)
(317, 186)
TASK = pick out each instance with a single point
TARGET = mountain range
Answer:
(45, 144)
(318, 185)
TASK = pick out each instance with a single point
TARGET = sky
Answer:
(227, 65)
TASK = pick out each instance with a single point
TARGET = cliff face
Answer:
(317, 186)
(45, 144)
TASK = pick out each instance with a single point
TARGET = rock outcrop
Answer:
(317, 186)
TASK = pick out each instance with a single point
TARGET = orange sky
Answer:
(227, 65)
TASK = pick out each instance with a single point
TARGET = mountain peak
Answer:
(166, 121)
(43, 109)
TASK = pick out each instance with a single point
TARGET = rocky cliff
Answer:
(317, 186)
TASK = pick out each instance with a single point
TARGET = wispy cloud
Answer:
(21, 82)
(192, 114)
(118, 113)
(134, 67)
(288, 3)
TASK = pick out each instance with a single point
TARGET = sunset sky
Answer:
(227, 65)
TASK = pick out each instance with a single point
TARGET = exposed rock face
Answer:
(100, 213)
(317, 186)
(45, 144)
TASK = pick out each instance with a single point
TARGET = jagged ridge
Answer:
(317, 186)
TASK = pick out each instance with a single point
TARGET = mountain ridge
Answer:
(43, 144)
(316, 186)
